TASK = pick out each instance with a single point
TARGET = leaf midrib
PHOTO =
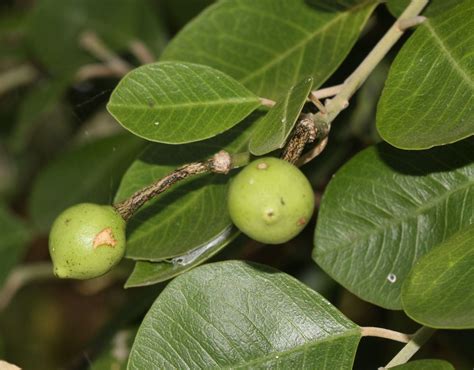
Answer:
(162, 107)
(452, 61)
(301, 44)
(395, 221)
(312, 343)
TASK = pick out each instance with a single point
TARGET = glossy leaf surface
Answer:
(270, 45)
(147, 273)
(428, 99)
(385, 209)
(273, 130)
(240, 315)
(439, 290)
(179, 102)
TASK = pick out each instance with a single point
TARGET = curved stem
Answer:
(371, 331)
(407, 352)
(91, 42)
(357, 78)
(219, 163)
(21, 276)
(16, 77)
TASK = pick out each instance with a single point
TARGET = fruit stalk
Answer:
(221, 162)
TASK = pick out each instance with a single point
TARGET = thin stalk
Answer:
(407, 352)
(357, 78)
(371, 331)
(21, 276)
(16, 77)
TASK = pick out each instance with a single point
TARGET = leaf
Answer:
(385, 209)
(438, 292)
(274, 129)
(240, 315)
(14, 238)
(428, 99)
(425, 365)
(179, 103)
(270, 45)
(191, 213)
(39, 101)
(55, 28)
(90, 173)
(147, 273)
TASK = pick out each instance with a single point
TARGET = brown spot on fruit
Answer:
(105, 237)
(301, 221)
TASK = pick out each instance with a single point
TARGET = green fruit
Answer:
(86, 241)
(270, 200)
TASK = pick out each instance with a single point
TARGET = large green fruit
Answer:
(270, 200)
(86, 241)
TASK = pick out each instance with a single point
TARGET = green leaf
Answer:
(147, 273)
(239, 315)
(39, 101)
(385, 209)
(428, 99)
(274, 129)
(189, 215)
(56, 26)
(179, 102)
(89, 173)
(425, 365)
(438, 292)
(14, 238)
(270, 45)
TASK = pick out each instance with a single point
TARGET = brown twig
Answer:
(141, 52)
(304, 132)
(91, 42)
(17, 76)
(221, 162)
(96, 70)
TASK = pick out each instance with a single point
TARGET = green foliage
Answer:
(55, 28)
(438, 292)
(273, 130)
(179, 102)
(14, 238)
(425, 365)
(394, 227)
(270, 45)
(147, 273)
(36, 105)
(89, 173)
(385, 209)
(192, 213)
(258, 318)
(428, 98)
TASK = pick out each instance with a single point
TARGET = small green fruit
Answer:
(86, 241)
(270, 200)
